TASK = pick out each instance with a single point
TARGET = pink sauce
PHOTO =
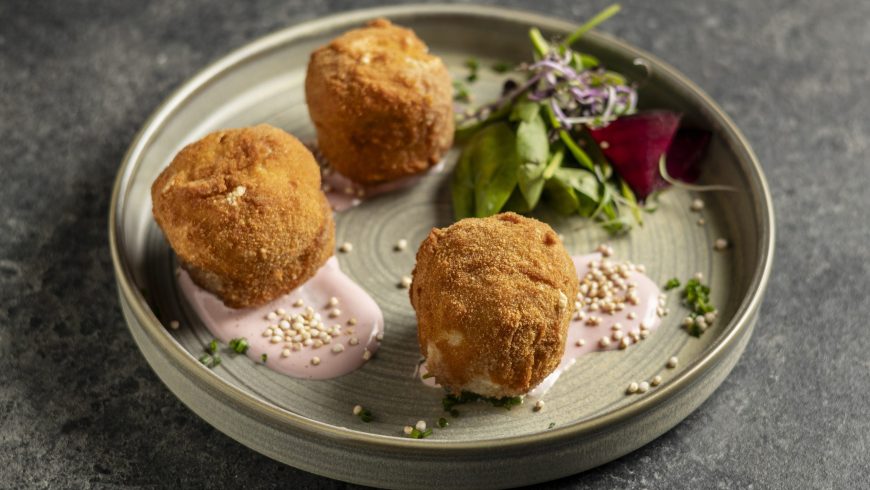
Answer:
(353, 302)
(645, 313)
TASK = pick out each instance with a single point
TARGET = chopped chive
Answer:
(418, 434)
(696, 297)
(461, 93)
(473, 65)
(502, 67)
(552, 424)
(210, 361)
(450, 401)
(239, 345)
(442, 423)
(672, 283)
(541, 46)
(365, 415)
(589, 25)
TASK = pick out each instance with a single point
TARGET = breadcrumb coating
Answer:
(382, 105)
(244, 213)
(493, 298)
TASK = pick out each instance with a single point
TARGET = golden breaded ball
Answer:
(244, 212)
(493, 298)
(382, 105)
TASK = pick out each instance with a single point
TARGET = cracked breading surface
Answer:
(244, 213)
(490, 300)
(382, 105)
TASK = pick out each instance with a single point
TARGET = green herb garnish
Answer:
(427, 376)
(672, 283)
(472, 65)
(212, 347)
(210, 361)
(502, 67)
(442, 423)
(418, 434)
(365, 415)
(552, 424)
(696, 297)
(461, 92)
(263, 357)
(449, 402)
(239, 345)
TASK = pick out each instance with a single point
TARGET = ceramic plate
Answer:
(588, 419)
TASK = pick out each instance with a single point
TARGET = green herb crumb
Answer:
(449, 402)
(672, 283)
(212, 347)
(365, 415)
(442, 423)
(239, 345)
(461, 92)
(552, 424)
(502, 67)
(473, 65)
(418, 434)
(210, 361)
(696, 297)
(263, 357)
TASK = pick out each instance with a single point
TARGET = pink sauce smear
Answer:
(645, 312)
(353, 302)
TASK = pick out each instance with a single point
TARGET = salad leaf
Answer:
(584, 189)
(561, 196)
(517, 203)
(533, 151)
(483, 179)
(463, 186)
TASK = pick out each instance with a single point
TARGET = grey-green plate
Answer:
(588, 419)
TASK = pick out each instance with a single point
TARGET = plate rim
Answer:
(284, 419)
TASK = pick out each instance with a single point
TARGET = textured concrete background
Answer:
(79, 407)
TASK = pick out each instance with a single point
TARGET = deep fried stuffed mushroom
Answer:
(244, 212)
(493, 298)
(382, 105)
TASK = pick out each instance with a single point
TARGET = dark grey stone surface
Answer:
(80, 407)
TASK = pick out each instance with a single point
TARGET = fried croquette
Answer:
(493, 298)
(244, 212)
(382, 105)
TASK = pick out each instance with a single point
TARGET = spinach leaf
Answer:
(585, 187)
(525, 110)
(463, 184)
(573, 190)
(533, 151)
(494, 164)
(561, 195)
(517, 203)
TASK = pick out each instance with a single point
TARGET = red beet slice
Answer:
(634, 145)
(685, 152)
